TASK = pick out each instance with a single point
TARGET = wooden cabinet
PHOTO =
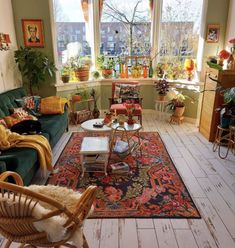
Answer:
(212, 99)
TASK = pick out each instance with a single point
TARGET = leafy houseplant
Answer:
(162, 87)
(177, 104)
(81, 67)
(65, 73)
(34, 65)
(106, 65)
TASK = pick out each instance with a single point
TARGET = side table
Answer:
(128, 132)
(160, 107)
(94, 154)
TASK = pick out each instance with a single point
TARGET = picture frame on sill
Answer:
(33, 32)
(213, 33)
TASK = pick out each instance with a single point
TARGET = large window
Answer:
(179, 30)
(125, 28)
(72, 36)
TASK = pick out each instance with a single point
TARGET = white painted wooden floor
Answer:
(210, 181)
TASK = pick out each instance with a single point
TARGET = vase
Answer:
(130, 120)
(162, 97)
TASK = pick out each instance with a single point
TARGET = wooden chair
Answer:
(17, 217)
(116, 102)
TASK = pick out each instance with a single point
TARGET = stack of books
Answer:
(120, 168)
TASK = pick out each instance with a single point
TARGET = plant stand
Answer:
(176, 119)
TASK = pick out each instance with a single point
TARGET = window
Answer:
(179, 30)
(72, 36)
(126, 33)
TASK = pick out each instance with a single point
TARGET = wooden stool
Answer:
(176, 119)
(222, 138)
(232, 138)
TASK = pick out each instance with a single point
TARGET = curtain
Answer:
(101, 3)
(84, 4)
(151, 6)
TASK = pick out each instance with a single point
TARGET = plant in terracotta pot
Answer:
(106, 65)
(177, 105)
(162, 87)
(81, 67)
(65, 73)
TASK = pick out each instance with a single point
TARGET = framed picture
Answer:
(33, 32)
(213, 32)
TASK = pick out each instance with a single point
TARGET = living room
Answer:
(133, 108)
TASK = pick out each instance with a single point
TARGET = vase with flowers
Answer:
(130, 109)
(231, 59)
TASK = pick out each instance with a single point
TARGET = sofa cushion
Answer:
(7, 100)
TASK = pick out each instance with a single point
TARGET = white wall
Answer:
(9, 75)
(230, 34)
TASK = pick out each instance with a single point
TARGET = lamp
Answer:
(4, 42)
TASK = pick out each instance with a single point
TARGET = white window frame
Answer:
(94, 29)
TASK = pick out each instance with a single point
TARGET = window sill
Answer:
(179, 83)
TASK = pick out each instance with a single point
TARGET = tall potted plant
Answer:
(34, 65)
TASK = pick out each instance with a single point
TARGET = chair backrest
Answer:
(17, 214)
(114, 84)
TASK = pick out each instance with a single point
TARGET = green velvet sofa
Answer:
(24, 161)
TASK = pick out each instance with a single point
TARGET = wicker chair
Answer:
(17, 221)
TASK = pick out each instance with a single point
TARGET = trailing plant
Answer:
(34, 65)
(79, 62)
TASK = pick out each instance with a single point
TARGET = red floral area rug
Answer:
(151, 189)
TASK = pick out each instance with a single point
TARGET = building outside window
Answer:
(128, 26)
(71, 31)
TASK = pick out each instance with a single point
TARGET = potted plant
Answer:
(95, 74)
(81, 67)
(106, 65)
(65, 73)
(177, 104)
(34, 65)
(162, 87)
(227, 110)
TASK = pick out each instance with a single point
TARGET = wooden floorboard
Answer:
(210, 181)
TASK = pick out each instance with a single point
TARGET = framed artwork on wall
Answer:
(213, 32)
(33, 32)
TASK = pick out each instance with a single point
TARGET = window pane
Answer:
(179, 30)
(72, 34)
(125, 27)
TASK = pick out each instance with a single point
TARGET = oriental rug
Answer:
(151, 189)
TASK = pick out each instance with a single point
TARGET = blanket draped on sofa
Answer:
(9, 139)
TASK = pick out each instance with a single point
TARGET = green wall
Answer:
(39, 9)
(36, 9)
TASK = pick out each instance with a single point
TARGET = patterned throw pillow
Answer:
(30, 104)
(21, 113)
(16, 118)
(129, 91)
(2, 122)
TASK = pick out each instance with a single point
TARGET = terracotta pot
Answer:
(65, 78)
(107, 73)
(76, 98)
(179, 111)
(82, 73)
(162, 97)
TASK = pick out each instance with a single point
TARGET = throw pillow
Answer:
(15, 118)
(30, 104)
(52, 105)
(129, 91)
(2, 122)
(20, 112)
